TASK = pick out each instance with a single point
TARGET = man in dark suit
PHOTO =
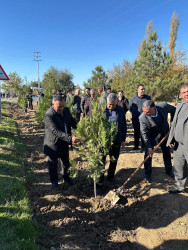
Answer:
(76, 104)
(123, 101)
(153, 127)
(179, 137)
(58, 123)
(84, 101)
(88, 105)
(135, 107)
(30, 101)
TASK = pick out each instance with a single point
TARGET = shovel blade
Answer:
(112, 197)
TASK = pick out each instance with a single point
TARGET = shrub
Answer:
(22, 102)
(97, 136)
(44, 104)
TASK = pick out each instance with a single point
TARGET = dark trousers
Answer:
(30, 104)
(136, 127)
(166, 158)
(114, 155)
(52, 166)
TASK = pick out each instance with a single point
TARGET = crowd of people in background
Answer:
(8, 95)
(150, 124)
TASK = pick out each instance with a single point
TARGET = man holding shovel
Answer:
(153, 127)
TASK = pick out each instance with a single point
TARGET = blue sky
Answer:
(78, 35)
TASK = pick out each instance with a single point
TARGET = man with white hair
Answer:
(114, 112)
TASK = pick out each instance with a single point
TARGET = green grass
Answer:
(17, 228)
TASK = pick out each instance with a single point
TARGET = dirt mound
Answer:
(146, 217)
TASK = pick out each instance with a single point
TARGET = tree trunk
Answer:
(95, 191)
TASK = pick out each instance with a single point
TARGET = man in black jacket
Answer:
(84, 101)
(58, 123)
(123, 101)
(77, 104)
(135, 107)
(30, 101)
(153, 127)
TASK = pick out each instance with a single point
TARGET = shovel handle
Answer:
(136, 170)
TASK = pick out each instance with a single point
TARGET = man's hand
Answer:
(122, 144)
(75, 139)
(150, 152)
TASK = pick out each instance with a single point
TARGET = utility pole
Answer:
(37, 60)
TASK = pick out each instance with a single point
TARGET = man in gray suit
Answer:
(179, 137)
(58, 123)
(153, 127)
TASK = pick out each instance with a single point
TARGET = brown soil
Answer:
(146, 217)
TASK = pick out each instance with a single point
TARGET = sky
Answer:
(78, 35)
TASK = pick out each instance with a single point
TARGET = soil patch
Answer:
(146, 217)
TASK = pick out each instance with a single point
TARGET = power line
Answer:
(37, 60)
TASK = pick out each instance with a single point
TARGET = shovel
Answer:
(113, 196)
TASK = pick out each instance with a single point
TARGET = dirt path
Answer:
(147, 217)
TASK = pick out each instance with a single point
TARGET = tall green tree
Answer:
(99, 77)
(14, 85)
(97, 136)
(120, 77)
(173, 32)
(179, 55)
(53, 79)
(152, 65)
(57, 79)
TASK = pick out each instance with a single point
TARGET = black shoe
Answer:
(171, 174)
(69, 180)
(135, 148)
(98, 190)
(175, 191)
(147, 179)
(55, 186)
(112, 180)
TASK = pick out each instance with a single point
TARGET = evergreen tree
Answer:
(120, 78)
(173, 32)
(99, 77)
(152, 64)
(14, 85)
(57, 79)
(97, 136)
(69, 104)
(44, 104)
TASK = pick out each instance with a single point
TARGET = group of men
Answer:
(149, 120)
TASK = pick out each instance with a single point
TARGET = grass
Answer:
(17, 228)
